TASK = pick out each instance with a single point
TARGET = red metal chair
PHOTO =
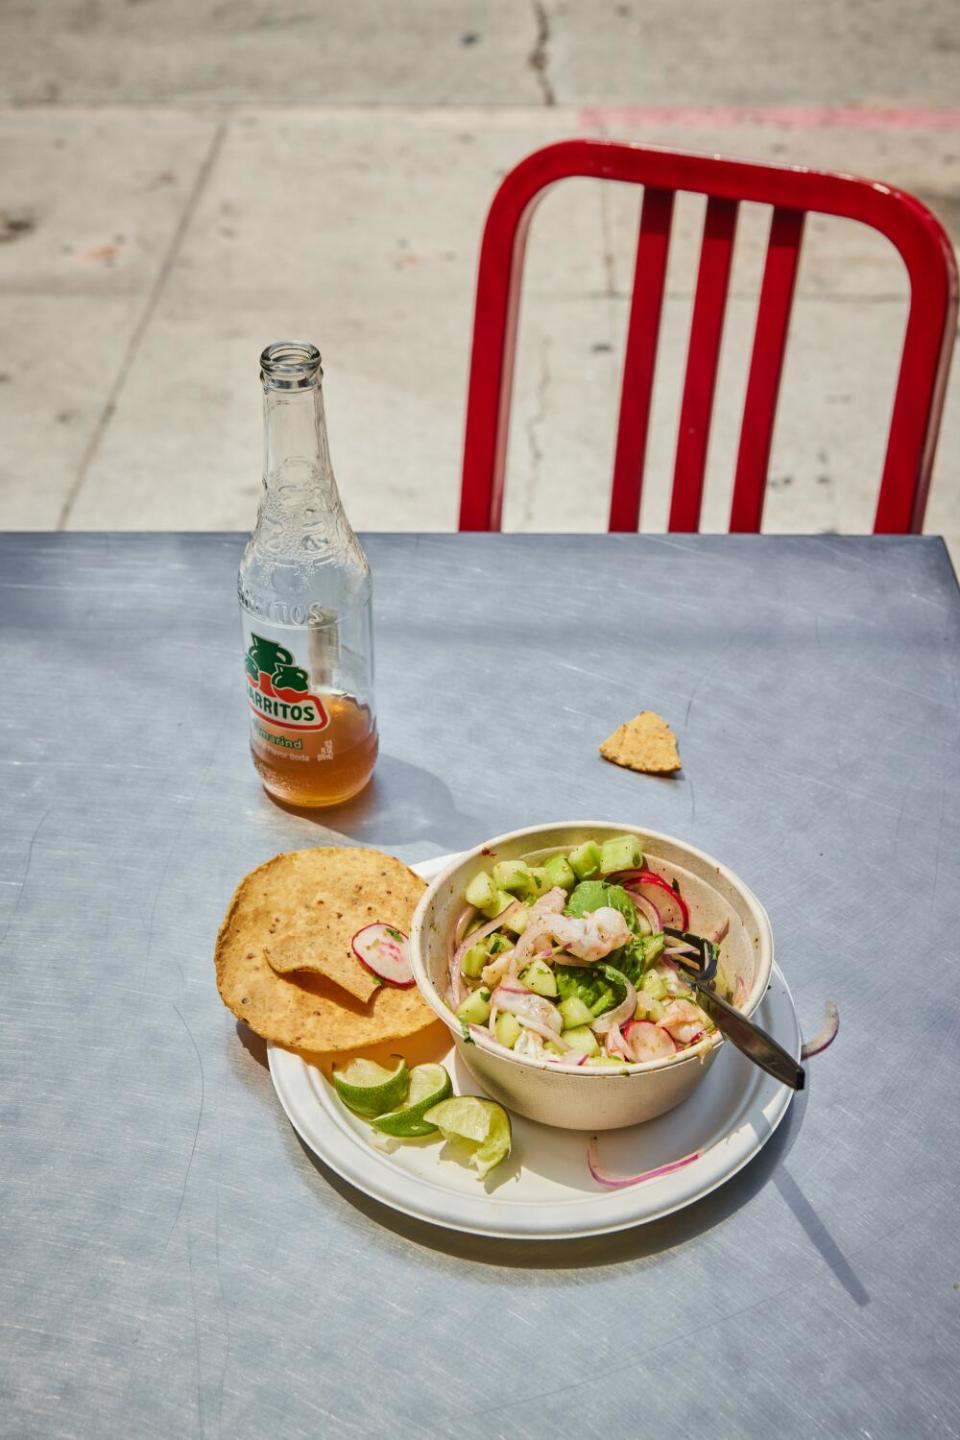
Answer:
(928, 339)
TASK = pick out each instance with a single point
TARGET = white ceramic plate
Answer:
(545, 1191)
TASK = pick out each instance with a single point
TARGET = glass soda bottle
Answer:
(305, 593)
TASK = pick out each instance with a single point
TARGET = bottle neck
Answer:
(296, 457)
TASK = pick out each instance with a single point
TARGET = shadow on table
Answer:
(638, 1243)
(403, 803)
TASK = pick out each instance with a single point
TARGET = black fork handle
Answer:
(755, 1043)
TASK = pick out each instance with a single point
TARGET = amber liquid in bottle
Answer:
(305, 602)
(334, 764)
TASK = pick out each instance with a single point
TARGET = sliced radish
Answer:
(634, 882)
(647, 1041)
(385, 950)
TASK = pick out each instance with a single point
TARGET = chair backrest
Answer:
(792, 193)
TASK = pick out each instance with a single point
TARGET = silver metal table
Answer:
(172, 1261)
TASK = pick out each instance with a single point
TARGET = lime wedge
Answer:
(368, 1088)
(481, 1124)
(429, 1084)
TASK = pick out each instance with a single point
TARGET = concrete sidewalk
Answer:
(158, 234)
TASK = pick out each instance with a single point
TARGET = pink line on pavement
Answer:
(790, 117)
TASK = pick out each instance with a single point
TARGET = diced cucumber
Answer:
(475, 1010)
(623, 852)
(585, 860)
(647, 1007)
(501, 899)
(497, 943)
(507, 1029)
(582, 1039)
(517, 922)
(574, 1012)
(654, 985)
(481, 891)
(541, 881)
(514, 875)
(559, 871)
(474, 960)
(541, 979)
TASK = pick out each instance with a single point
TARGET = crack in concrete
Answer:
(140, 329)
(606, 230)
(538, 59)
(532, 427)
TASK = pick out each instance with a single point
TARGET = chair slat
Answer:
(636, 390)
(766, 367)
(703, 353)
(917, 235)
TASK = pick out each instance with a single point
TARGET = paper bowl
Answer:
(583, 1098)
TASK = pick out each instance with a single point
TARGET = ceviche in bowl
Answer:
(557, 957)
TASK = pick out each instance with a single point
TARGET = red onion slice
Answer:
(680, 947)
(614, 1044)
(456, 978)
(486, 1041)
(647, 909)
(620, 1182)
(616, 1016)
(463, 920)
(825, 1035)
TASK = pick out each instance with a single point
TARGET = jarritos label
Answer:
(278, 689)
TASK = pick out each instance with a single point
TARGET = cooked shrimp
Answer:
(504, 964)
(509, 961)
(684, 1021)
(592, 936)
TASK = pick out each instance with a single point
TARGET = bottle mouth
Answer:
(290, 365)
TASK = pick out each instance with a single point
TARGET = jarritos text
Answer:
(278, 688)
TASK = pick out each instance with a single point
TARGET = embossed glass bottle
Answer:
(305, 592)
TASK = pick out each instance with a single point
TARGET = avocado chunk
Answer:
(605, 1001)
(481, 891)
(582, 1039)
(540, 978)
(653, 946)
(559, 871)
(623, 852)
(591, 895)
(474, 960)
(588, 896)
(507, 1029)
(574, 1012)
(585, 860)
(514, 875)
(475, 1010)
